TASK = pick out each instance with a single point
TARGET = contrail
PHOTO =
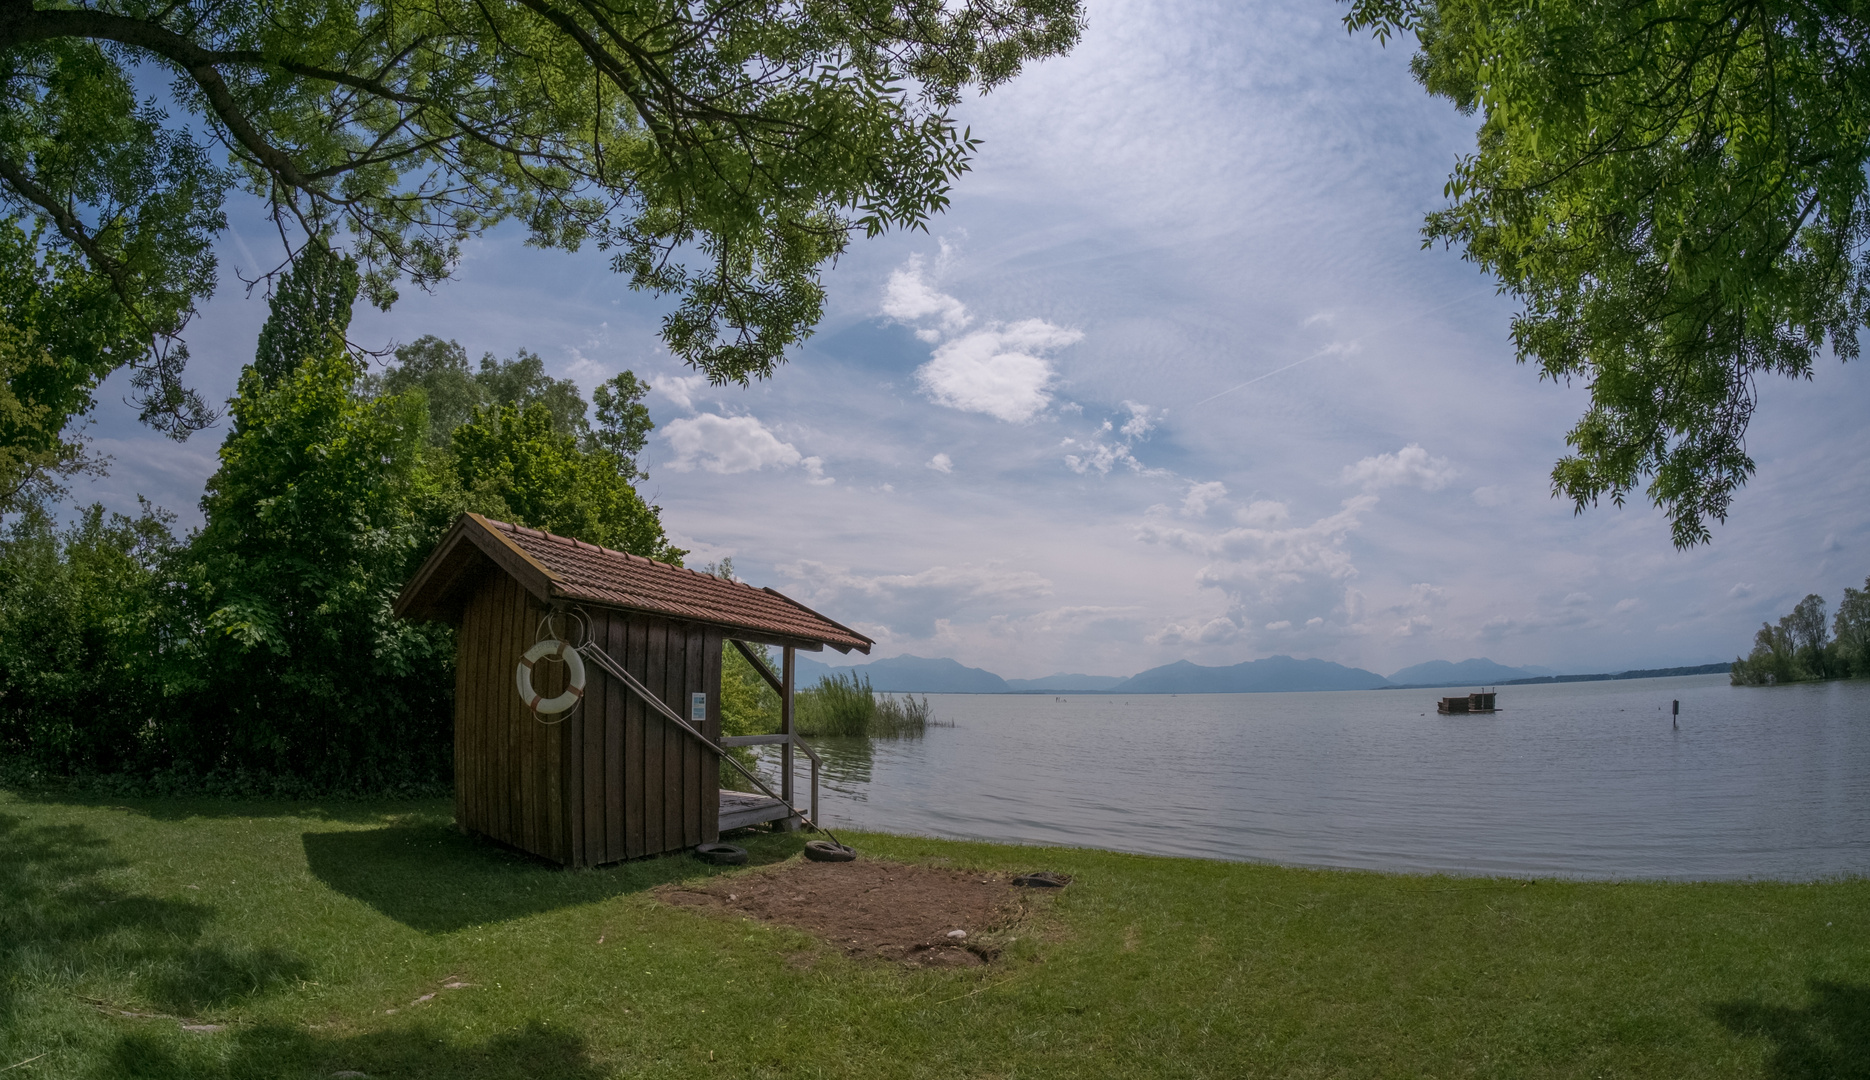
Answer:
(1331, 349)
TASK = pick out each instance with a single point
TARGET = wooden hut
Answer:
(611, 778)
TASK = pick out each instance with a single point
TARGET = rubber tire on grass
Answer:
(826, 851)
(721, 854)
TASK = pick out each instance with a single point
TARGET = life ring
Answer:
(574, 665)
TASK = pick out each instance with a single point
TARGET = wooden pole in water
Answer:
(1675, 712)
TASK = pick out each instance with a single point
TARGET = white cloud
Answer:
(1411, 465)
(1628, 603)
(735, 444)
(1140, 422)
(999, 371)
(992, 581)
(1216, 631)
(584, 370)
(1741, 590)
(1260, 556)
(941, 463)
(909, 298)
(1263, 512)
(917, 604)
(1282, 624)
(1100, 457)
(1202, 496)
(680, 390)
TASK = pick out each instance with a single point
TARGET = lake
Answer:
(1580, 780)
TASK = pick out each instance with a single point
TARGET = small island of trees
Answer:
(1803, 649)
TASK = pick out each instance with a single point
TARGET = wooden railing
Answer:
(783, 740)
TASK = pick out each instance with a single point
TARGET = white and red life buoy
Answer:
(574, 669)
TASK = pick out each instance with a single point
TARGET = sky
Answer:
(1173, 378)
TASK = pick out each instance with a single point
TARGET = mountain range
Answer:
(924, 675)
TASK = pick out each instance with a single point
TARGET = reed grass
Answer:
(903, 716)
(845, 705)
(839, 706)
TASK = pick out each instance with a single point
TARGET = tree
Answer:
(1795, 650)
(623, 423)
(81, 621)
(60, 335)
(1809, 635)
(519, 465)
(310, 312)
(439, 369)
(1675, 191)
(1772, 661)
(1851, 632)
(290, 663)
(723, 151)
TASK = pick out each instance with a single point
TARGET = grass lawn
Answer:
(313, 940)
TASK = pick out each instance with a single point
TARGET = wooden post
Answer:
(785, 728)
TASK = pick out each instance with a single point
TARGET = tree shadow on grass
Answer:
(67, 925)
(267, 1051)
(1827, 1039)
(432, 878)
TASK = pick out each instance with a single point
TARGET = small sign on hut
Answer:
(598, 772)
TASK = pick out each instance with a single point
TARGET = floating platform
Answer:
(1482, 703)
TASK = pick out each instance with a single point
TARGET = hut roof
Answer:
(558, 569)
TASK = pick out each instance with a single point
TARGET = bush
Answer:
(80, 632)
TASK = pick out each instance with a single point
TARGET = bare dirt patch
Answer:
(870, 908)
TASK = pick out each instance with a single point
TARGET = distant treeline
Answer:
(1645, 673)
(1803, 648)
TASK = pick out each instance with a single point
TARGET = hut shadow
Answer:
(1827, 1039)
(432, 878)
(66, 911)
(271, 1050)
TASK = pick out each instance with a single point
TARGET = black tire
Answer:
(826, 851)
(1044, 879)
(721, 854)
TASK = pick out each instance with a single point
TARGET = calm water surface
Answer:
(1575, 779)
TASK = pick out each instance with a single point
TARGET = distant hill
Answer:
(1063, 683)
(1478, 671)
(1273, 674)
(909, 675)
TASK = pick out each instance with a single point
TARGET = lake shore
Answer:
(281, 939)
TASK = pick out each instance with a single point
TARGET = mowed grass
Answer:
(310, 940)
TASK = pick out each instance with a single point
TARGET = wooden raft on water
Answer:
(1481, 702)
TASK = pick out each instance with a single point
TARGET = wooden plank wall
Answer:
(614, 780)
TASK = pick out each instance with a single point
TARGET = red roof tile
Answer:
(598, 575)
